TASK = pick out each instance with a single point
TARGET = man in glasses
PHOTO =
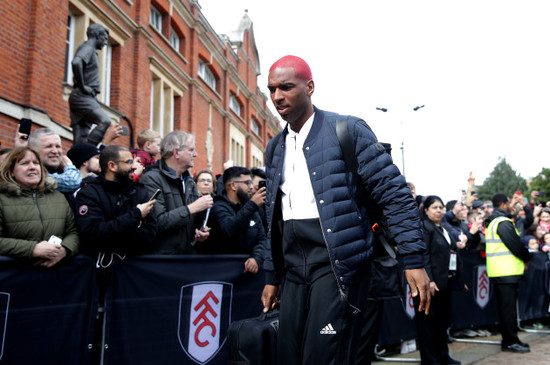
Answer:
(113, 212)
(236, 226)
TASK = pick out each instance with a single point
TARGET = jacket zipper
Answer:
(342, 294)
(39, 213)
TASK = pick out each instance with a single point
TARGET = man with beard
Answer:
(236, 224)
(113, 211)
(113, 214)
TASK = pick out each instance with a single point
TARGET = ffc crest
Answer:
(408, 302)
(482, 292)
(204, 316)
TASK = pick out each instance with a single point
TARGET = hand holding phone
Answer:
(262, 184)
(54, 240)
(155, 195)
(25, 126)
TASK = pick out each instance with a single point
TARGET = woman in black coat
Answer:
(442, 267)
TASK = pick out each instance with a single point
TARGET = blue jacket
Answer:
(344, 221)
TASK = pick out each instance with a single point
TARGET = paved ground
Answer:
(489, 354)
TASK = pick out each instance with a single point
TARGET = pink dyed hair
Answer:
(300, 67)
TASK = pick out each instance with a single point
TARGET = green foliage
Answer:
(541, 182)
(502, 180)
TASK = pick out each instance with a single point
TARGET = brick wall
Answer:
(32, 61)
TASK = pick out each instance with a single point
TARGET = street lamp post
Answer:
(416, 108)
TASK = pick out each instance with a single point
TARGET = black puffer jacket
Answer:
(236, 229)
(110, 221)
(344, 221)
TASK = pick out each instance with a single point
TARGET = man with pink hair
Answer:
(321, 242)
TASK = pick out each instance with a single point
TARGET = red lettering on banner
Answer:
(483, 285)
(202, 316)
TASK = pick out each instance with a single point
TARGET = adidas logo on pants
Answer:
(328, 330)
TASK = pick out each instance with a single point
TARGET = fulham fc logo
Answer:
(408, 303)
(205, 314)
(482, 291)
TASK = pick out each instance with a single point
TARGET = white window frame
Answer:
(206, 74)
(234, 104)
(155, 18)
(105, 95)
(174, 39)
(237, 147)
(69, 51)
(255, 127)
(163, 103)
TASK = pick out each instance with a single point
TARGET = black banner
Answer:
(46, 315)
(176, 309)
(476, 307)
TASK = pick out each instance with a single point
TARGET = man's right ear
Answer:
(310, 87)
(112, 166)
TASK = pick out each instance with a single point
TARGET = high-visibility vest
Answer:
(500, 261)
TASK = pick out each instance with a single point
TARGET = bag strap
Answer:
(347, 146)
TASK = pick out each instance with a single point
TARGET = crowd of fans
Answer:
(110, 202)
(469, 216)
(180, 214)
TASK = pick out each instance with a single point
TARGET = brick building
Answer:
(164, 68)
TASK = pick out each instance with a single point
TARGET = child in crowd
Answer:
(546, 242)
(476, 230)
(149, 146)
(532, 243)
(545, 220)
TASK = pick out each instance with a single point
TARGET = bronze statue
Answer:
(85, 109)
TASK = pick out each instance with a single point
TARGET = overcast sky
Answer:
(481, 68)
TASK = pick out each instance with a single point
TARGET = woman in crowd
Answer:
(442, 267)
(36, 222)
(206, 182)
